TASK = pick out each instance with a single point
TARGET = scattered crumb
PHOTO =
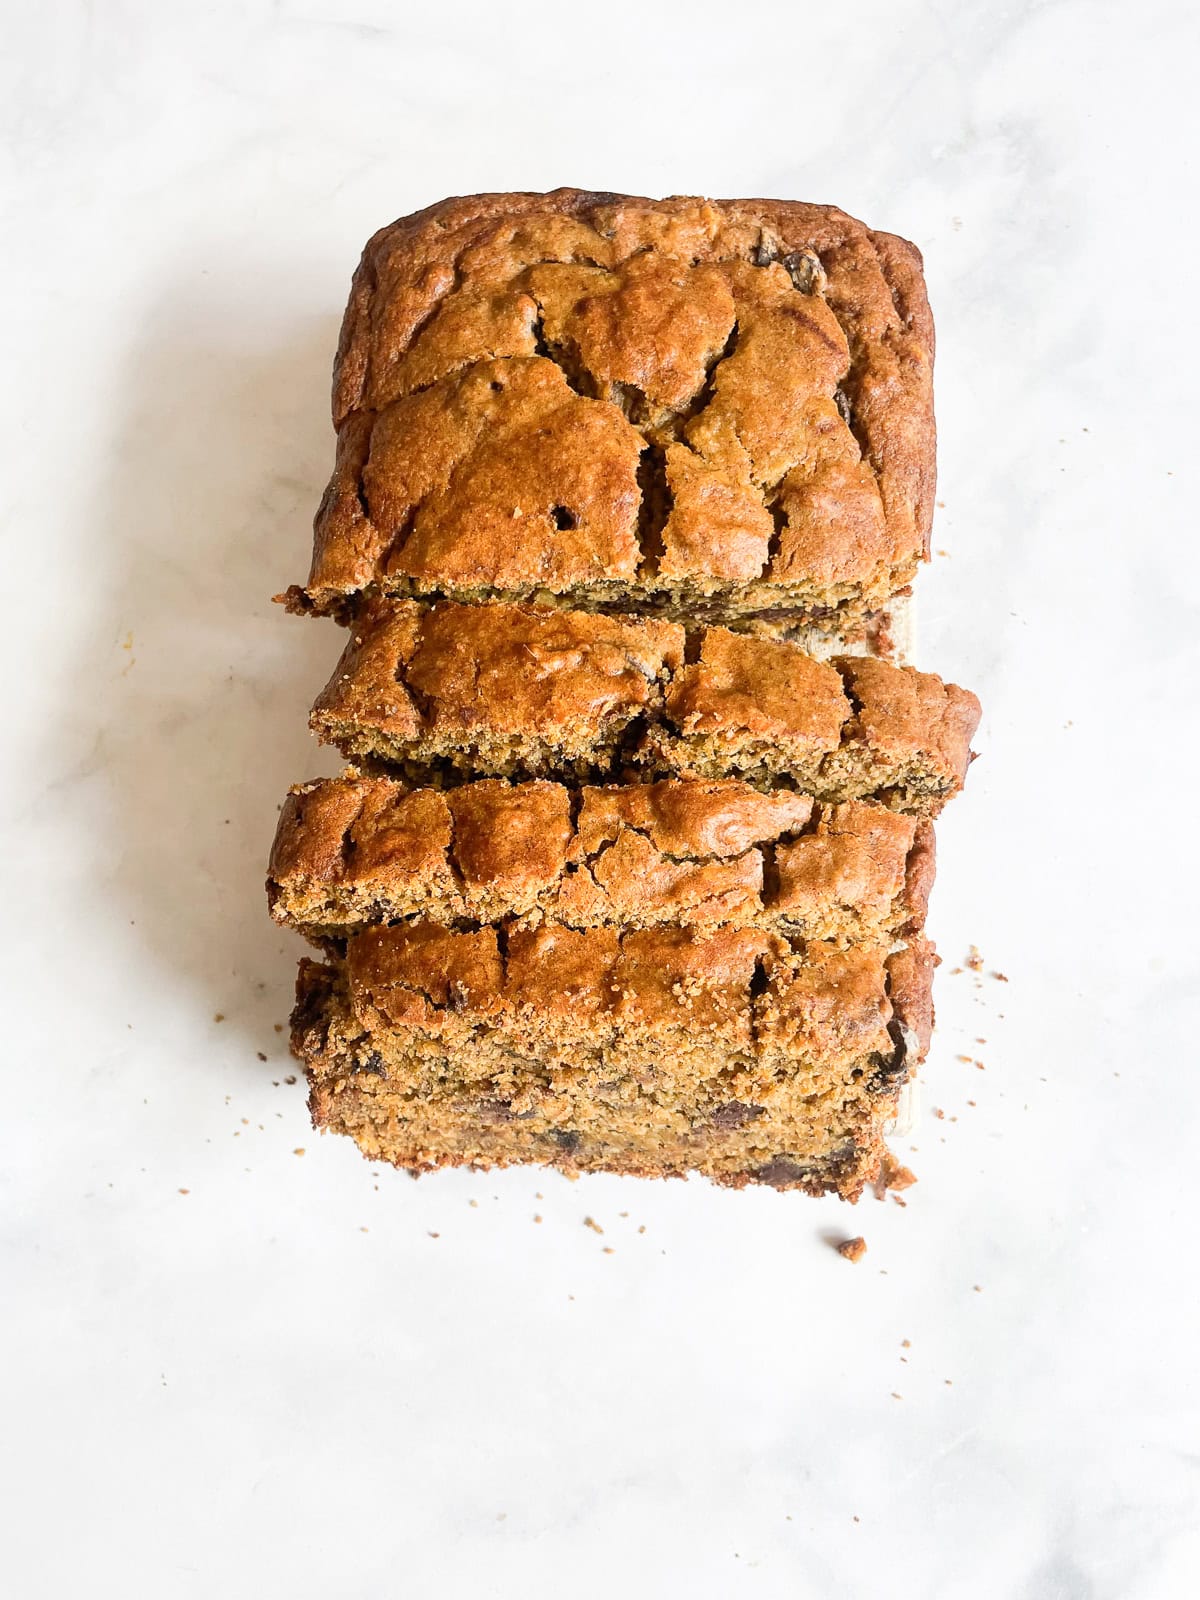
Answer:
(261, 1055)
(974, 960)
(245, 1122)
(939, 1113)
(906, 1344)
(536, 1217)
(435, 1235)
(967, 1059)
(949, 1382)
(590, 1222)
(971, 1102)
(279, 1027)
(473, 1202)
(642, 1229)
(980, 1065)
(999, 977)
(218, 1016)
(185, 1191)
(893, 1174)
(609, 1251)
(853, 1249)
(896, 1201)
(364, 1230)
(622, 1213)
(856, 1519)
(981, 1041)
(896, 1396)
(291, 1078)
(299, 1150)
(978, 1288)
(954, 971)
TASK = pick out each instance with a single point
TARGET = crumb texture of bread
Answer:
(359, 850)
(678, 404)
(734, 1052)
(517, 690)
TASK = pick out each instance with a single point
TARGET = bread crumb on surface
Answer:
(853, 1249)
(893, 1174)
(299, 1150)
(261, 1054)
(185, 1191)
(590, 1222)
(291, 1078)
(218, 1016)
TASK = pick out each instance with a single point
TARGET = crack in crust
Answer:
(505, 356)
(359, 850)
(526, 691)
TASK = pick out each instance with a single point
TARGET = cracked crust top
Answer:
(561, 990)
(521, 690)
(623, 400)
(357, 850)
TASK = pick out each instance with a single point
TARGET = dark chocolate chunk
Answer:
(781, 1172)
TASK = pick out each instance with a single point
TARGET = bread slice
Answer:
(514, 690)
(360, 850)
(657, 1052)
(704, 409)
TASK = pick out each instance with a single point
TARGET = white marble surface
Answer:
(233, 1371)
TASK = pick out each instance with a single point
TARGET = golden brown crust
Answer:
(521, 690)
(552, 989)
(495, 688)
(614, 398)
(658, 1051)
(357, 850)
